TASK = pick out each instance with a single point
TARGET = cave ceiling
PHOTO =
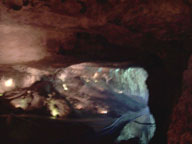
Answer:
(43, 28)
(50, 34)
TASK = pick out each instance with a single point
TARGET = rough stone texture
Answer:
(180, 130)
(156, 34)
(121, 23)
(108, 98)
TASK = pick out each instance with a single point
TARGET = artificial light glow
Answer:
(1, 94)
(65, 87)
(28, 91)
(87, 80)
(54, 108)
(20, 103)
(95, 75)
(103, 111)
(118, 91)
(79, 106)
(9, 83)
(18, 106)
(54, 112)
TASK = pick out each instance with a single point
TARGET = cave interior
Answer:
(95, 71)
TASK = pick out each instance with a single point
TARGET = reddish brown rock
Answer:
(180, 130)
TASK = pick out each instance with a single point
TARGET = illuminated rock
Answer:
(89, 91)
(6, 84)
(94, 83)
(106, 89)
(9, 83)
(21, 44)
(58, 107)
(142, 128)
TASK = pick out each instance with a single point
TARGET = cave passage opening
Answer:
(111, 96)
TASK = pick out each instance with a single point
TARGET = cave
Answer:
(95, 71)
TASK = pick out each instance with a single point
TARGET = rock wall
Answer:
(180, 130)
(104, 26)
(156, 34)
